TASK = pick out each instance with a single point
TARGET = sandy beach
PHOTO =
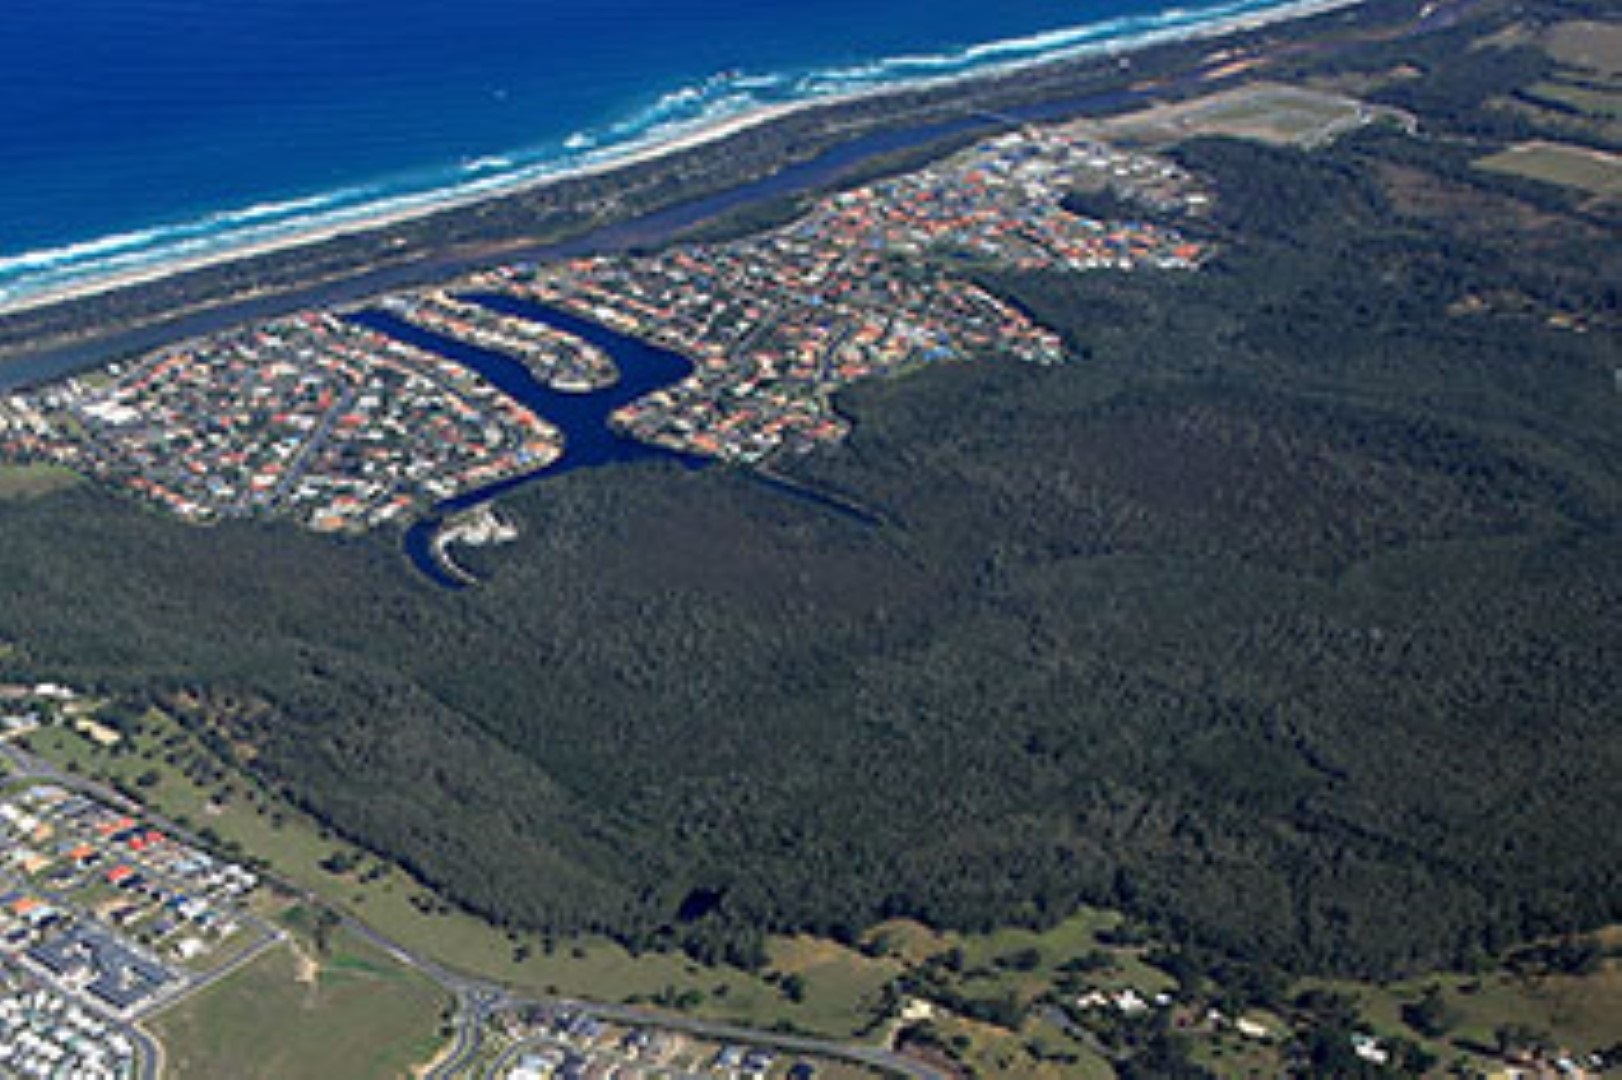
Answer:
(249, 242)
(393, 212)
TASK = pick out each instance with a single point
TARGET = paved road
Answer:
(874, 1056)
(25, 766)
(509, 1057)
(477, 999)
(473, 1012)
(150, 1056)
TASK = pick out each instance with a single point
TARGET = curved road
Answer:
(873, 1056)
(467, 1038)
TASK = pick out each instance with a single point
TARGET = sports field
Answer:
(1266, 112)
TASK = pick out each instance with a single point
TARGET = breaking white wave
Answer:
(674, 115)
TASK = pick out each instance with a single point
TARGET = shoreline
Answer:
(369, 220)
(377, 218)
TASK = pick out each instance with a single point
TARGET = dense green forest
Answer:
(1288, 616)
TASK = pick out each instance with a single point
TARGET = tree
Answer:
(1430, 1016)
(1517, 1038)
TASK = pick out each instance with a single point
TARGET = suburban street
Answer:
(477, 1000)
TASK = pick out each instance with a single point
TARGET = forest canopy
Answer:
(1286, 615)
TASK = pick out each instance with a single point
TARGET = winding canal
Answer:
(583, 418)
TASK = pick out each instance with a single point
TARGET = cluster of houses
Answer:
(311, 415)
(106, 905)
(1130, 1003)
(561, 361)
(866, 284)
(1003, 202)
(1127, 1001)
(324, 418)
(26, 431)
(564, 1043)
(94, 962)
(44, 1034)
(1149, 180)
(24, 708)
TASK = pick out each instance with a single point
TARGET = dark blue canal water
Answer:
(590, 441)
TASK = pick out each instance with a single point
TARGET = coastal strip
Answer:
(499, 218)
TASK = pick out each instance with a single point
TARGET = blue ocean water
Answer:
(136, 131)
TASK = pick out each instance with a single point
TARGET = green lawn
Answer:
(355, 1013)
(1578, 1014)
(1555, 163)
(1074, 937)
(1600, 104)
(1038, 1051)
(1592, 46)
(32, 481)
(988, 972)
(840, 984)
(1235, 1056)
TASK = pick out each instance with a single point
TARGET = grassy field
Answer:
(1579, 1014)
(1234, 1056)
(837, 991)
(1583, 97)
(840, 986)
(1604, 104)
(988, 971)
(838, 982)
(32, 481)
(1556, 163)
(810, 984)
(1037, 1050)
(1263, 112)
(1592, 46)
(353, 1012)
